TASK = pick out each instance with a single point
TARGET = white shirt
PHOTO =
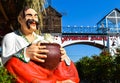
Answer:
(12, 43)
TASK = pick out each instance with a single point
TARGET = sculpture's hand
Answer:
(37, 52)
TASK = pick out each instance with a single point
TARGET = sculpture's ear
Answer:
(19, 19)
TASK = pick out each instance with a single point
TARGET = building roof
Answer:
(115, 9)
(51, 10)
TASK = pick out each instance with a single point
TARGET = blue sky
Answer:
(83, 13)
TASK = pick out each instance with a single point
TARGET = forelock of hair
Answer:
(22, 12)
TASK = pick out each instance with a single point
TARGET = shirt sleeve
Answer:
(67, 61)
(8, 48)
(22, 55)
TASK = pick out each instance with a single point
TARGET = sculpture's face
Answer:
(31, 19)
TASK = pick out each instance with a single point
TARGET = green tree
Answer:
(99, 69)
(5, 76)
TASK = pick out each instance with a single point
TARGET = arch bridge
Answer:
(99, 37)
(106, 33)
(94, 36)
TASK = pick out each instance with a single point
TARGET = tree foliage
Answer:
(5, 76)
(99, 68)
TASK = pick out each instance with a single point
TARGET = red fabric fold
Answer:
(64, 72)
(33, 73)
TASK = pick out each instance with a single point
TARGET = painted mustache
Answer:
(30, 21)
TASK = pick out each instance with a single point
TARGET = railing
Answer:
(82, 30)
(90, 30)
(79, 29)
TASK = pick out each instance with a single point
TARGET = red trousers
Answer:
(32, 73)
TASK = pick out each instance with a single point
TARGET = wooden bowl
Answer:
(53, 57)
